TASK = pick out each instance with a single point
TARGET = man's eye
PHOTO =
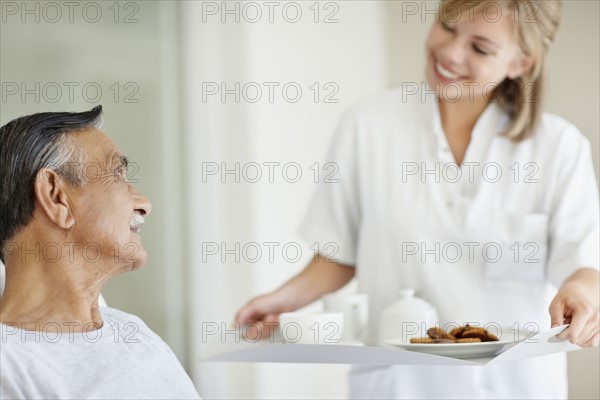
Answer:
(121, 173)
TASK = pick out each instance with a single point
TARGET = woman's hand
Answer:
(261, 315)
(576, 303)
(321, 276)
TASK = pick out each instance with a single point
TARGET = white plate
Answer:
(464, 350)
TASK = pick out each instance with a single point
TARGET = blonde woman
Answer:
(468, 192)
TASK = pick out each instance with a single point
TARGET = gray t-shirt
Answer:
(124, 359)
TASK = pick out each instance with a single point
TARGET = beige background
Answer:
(167, 54)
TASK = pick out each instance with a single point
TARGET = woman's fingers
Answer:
(557, 312)
(260, 330)
(590, 330)
(593, 342)
(578, 321)
(584, 324)
(256, 320)
(247, 314)
(256, 309)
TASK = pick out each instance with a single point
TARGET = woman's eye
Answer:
(447, 27)
(480, 50)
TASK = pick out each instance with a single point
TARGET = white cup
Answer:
(355, 308)
(311, 328)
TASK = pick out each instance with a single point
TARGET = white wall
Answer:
(280, 131)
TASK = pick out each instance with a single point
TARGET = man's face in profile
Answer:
(107, 208)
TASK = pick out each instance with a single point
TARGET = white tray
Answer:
(541, 344)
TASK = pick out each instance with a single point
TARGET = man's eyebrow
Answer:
(123, 160)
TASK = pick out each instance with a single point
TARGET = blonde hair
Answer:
(536, 23)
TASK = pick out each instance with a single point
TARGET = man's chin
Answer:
(139, 260)
(138, 265)
(133, 257)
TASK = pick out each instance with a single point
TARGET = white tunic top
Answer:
(488, 242)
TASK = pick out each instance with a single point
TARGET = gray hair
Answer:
(29, 144)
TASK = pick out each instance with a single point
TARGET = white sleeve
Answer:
(333, 216)
(575, 214)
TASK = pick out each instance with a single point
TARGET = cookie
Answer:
(468, 340)
(438, 333)
(457, 332)
(421, 340)
(474, 332)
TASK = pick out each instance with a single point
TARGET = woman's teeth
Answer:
(136, 223)
(445, 73)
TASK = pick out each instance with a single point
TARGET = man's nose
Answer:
(141, 202)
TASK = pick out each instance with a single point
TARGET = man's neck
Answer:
(39, 294)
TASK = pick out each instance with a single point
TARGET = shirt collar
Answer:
(492, 121)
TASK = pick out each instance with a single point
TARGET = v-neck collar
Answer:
(492, 121)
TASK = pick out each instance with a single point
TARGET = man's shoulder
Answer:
(112, 314)
(128, 326)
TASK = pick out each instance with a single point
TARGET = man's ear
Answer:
(52, 198)
(520, 66)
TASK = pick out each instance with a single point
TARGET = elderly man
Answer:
(70, 221)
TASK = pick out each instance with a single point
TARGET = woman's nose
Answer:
(454, 52)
